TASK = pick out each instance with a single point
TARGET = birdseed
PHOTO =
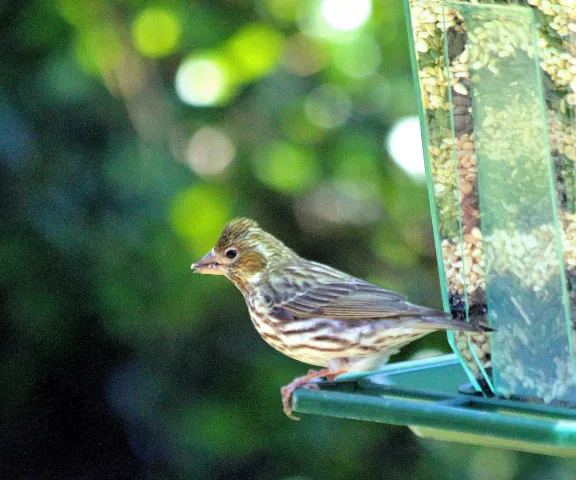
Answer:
(527, 259)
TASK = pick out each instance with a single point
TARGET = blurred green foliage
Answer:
(121, 158)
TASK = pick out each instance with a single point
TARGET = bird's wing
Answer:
(333, 294)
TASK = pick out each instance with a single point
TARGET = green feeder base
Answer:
(422, 395)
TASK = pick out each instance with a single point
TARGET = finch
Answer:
(314, 313)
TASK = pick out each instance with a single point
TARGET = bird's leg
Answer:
(304, 382)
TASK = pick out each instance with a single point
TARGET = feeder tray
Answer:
(423, 395)
(496, 84)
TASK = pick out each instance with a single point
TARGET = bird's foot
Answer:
(303, 382)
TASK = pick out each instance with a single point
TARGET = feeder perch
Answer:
(497, 88)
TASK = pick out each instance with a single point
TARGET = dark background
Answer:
(119, 167)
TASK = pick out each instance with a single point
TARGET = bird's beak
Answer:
(208, 265)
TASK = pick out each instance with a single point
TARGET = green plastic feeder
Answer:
(497, 87)
(423, 394)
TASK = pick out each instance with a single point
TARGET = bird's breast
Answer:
(317, 341)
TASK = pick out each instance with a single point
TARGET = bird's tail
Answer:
(478, 327)
(445, 322)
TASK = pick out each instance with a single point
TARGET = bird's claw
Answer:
(302, 382)
(287, 392)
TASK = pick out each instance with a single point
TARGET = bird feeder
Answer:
(497, 92)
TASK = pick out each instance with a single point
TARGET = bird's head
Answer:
(243, 253)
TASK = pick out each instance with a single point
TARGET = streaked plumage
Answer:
(315, 313)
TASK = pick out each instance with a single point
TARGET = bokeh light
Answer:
(156, 32)
(354, 64)
(405, 146)
(296, 126)
(203, 81)
(346, 15)
(283, 10)
(198, 213)
(210, 151)
(303, 55)
(328, 106)
(255, 50)
(81, 14)
(287, 167)
(337, 203)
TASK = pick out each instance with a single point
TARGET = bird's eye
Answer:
(231, 253)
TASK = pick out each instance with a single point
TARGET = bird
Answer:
(315, 313)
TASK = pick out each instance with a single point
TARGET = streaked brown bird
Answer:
(315, 313)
